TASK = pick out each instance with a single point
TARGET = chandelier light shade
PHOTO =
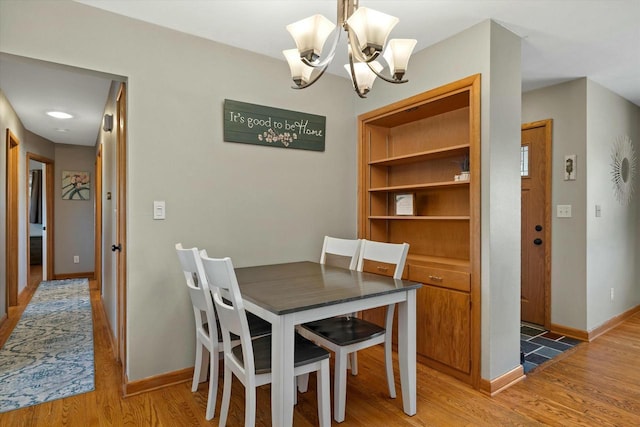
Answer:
(371, 28)
(397, 56)
(364, 76)
(367, 33)
(310, 34)
(300, 72)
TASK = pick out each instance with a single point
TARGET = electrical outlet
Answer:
(611, 294)
(563, 211)
(76, 259)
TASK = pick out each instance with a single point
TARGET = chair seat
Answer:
(344, 330)
(305, 352)
(257, 326)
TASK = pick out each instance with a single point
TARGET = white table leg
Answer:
(407, 351)
(282, 347)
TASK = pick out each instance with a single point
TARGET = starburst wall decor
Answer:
(623, 168)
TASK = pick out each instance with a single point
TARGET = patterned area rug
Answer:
(49, 354)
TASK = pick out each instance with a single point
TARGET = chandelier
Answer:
(367, 32)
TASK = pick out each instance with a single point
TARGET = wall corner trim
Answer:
(156, 382)
(503, 382)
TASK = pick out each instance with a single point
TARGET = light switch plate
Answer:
(598, 211)
(159, 211)
(563, 211)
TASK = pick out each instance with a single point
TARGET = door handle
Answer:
(537, 242)
(117, 247)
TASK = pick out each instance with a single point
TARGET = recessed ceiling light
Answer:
(59, 114)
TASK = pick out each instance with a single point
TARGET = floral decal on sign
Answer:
(76, 185)
(271, 136)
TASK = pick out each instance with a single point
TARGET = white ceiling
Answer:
(35, 87)
(561, 40)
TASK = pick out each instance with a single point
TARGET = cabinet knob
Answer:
(435, 278)
(537, 242)
(380, 268)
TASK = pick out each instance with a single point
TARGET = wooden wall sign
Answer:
(260, 125)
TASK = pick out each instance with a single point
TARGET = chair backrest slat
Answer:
(342, 247)
(390, 253)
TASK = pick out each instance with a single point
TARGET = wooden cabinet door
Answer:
(444, 326)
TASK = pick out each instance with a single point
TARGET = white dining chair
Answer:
(332, 248)
(250, 361)
(208, 334)
(346, 335)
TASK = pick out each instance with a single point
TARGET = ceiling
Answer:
(561, 40)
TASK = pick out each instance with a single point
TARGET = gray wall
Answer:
(74, 219)
(256, 204)
(612, 239)
(494, 52)
(589, 255)
(566, 105)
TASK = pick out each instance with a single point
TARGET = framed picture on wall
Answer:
(76, 185)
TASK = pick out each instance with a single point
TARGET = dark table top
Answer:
(291, 287)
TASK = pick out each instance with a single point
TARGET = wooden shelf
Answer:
(457, 150)
(416, 146)
(422, 218)
(420, 186)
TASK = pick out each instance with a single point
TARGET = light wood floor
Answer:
(598, 384)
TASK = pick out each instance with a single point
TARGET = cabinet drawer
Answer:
(458, 280)
(377, 267)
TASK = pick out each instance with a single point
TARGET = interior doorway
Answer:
(39, 221)
(535, 171)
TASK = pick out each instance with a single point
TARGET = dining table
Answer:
(293, 293)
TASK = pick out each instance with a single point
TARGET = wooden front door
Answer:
(536, 222)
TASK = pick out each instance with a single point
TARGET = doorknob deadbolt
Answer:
(537, 242)
(538, 228)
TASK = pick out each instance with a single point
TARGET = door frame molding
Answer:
(98, 221)
(12, 212)
(547, 124)
(121, 229)
(49, 170)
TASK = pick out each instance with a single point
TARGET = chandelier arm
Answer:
(329, 57)
(385, 78)
(353, 76)
(315, 79)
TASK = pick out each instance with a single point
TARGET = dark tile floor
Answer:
(538, 346)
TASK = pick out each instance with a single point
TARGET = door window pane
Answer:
(524, 160)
